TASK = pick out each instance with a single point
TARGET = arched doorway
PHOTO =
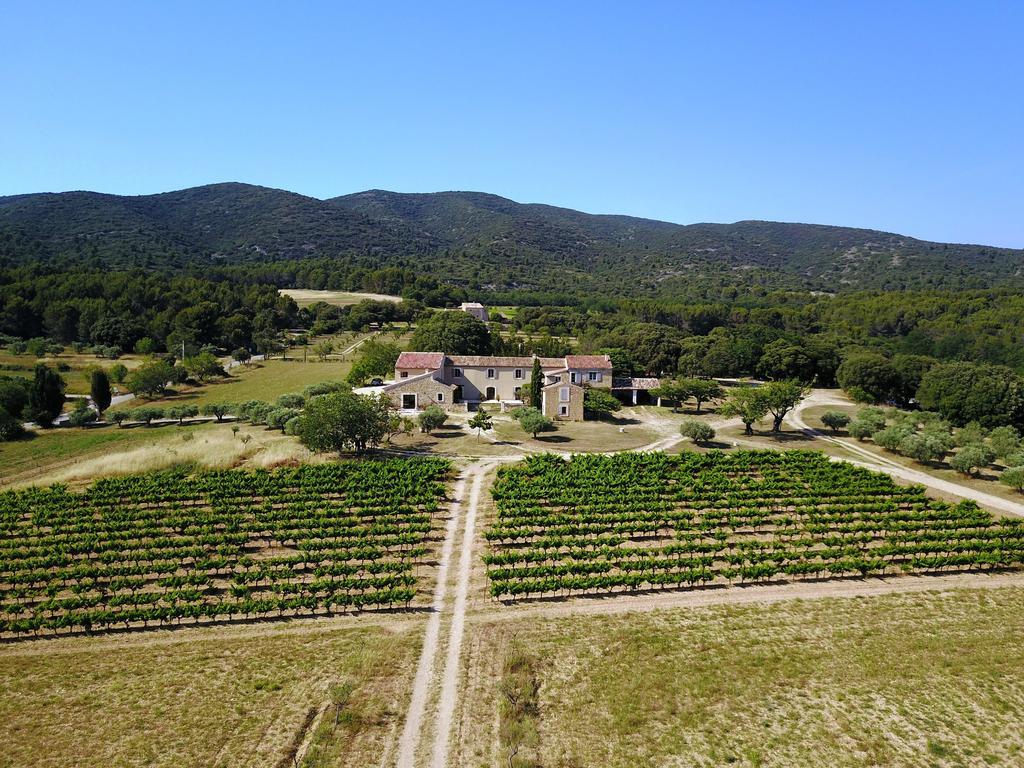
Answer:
(489, 394)
(457, 394)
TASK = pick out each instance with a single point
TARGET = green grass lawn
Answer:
(266, 380)
(915, 680)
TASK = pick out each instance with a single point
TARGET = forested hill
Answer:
(480, 241)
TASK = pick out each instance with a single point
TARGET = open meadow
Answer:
(923, 680)
(209, 698)
(79, 456)
(306, 297)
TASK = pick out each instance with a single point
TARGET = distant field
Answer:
(914, 680)
(304, 297)
(23, 365)
(212, 697)
(265, 380)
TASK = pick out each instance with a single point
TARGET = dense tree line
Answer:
(120, 310)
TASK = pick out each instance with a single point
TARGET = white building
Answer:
(476, 309)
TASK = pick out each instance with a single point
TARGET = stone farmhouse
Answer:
(462, 382)
(476, 309)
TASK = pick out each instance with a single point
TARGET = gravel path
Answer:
(450, 679)
(410, 738)
(865, 458)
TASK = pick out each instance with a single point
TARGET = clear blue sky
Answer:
(900, 116)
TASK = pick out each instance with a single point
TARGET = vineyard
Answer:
(598, 524)
(169, 547)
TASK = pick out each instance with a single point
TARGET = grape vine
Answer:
(597, 524)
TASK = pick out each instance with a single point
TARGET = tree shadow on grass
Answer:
(717, 444)
(553, 439)
(620, 421)
(784, 437)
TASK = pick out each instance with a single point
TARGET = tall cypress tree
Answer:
(46, 398)
(536, 383)
(99, 389)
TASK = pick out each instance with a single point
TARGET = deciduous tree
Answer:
(344, 421)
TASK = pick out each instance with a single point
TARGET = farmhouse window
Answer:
(519, 373)
(490, 373)
(563, 394)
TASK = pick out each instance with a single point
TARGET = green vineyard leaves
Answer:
(221, 545)
(598, 524)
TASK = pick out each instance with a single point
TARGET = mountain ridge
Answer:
(480, 240)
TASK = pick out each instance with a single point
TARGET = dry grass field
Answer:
(216, 697)
(915, 680)
(78, 456)
(305, 297)
(577, 436)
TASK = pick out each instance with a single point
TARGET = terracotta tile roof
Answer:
(588, 361)
(426, 360)
(478, 361)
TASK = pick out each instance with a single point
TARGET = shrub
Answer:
(82, 415)
(118, 371)
(835, 420)
(970, 434)
(149, 379)
(891, 438)
(10, 426)
(146, 414)
(279, 417)
(259, 412)
(861, 429)
(698, 431)
(433, 417)
(1013, 477)
(291, 400)
(1004, 441)
(182, 412)
(533, 421)
(971, 458)
(219, 410)
(325, 388)
(923, 447)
